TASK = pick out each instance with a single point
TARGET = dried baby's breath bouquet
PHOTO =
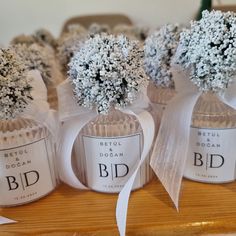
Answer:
(160, 46)
(107, 71)
(208, 50)
(75, 28)
(23, 39)
(141, 32)
(36, 57)
(44, 36)
(96, 28)
(14, 85)
(69, 43)
(138, 32)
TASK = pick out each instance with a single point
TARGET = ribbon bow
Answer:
(75, 117)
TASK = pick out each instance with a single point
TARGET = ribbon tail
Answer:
(69, 132)
(148, 127)
(4, 220)
(171, 146)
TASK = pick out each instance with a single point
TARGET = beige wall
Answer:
(24, 16)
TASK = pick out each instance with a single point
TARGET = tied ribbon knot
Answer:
(75, 117)
(171, 146)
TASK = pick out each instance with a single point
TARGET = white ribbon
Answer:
(148, 127)
(171, 146)
(38, 109)
(75, 118)
(4, 220)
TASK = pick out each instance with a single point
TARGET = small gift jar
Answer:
(107, 150)
(159, 48)
(113, 133)
(27, 147)
(211, 154)
(26, 160)
(197, 136)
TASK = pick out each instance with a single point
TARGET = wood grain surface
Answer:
(204, 209)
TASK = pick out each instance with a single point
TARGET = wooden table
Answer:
(204, 209)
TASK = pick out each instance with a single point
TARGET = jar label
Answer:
(24, 173)
(111, 161)
(211, 155)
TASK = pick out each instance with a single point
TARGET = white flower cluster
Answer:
(127, 30)
(14, 85)
(107, 72)
(36, 57)
(23, 39)
(68, 44)
(41, 36)
(159, 49)
(44, 36)
(132, 31)
(208, 50)
(76, 28)
(141, 32)
(96, 28)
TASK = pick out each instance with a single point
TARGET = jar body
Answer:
(159, 96)
(211, 155)
(27, 154)
(107, 152)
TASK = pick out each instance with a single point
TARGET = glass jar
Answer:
(27, 153)
(159, 96)
(107, 151)
(211, 155)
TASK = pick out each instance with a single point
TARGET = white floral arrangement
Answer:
(208, 50)
(159, 48)
(141, 32)
(44, 36)
(76, 28)
(23, 39)
(41, 36)
(132, 31)
(14, 85)
(36, 57)
(96, 28)
(68, 44)
(107, 72)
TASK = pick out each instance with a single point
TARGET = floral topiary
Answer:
(208, 50)
(96, 28)
(141, 32)
(23, 39)
(159, 48)
(68, 44)
(76, 28)
(107, 71)
(132, 31)
(36, 57)
(14, 85)
(44, 36)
